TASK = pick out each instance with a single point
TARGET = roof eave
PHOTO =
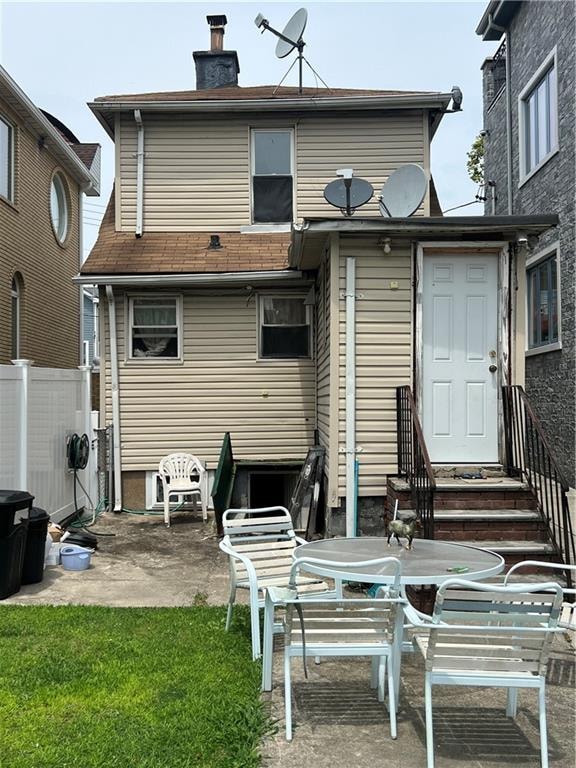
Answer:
(416, 225)
(66, 154)
(192, 278)
(438, 101)
(496, 16)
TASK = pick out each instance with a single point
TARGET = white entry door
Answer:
(460, 358)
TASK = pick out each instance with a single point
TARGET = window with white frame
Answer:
(543, 304)
(272, 176)
(155, 327)
(538, 109)
(6, 160)
(285, 328)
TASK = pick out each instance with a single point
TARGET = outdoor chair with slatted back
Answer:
(487, 635)
(568, 612)
(259, 544)
(183, 474)
(340, 627)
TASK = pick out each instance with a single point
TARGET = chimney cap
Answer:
(217, 21)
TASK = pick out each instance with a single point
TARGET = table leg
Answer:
(396, 659)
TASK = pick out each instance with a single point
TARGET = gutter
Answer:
(185, 279)
(115, 400)
(139, 174)
(437, 225)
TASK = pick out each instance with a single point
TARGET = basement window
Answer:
(272, 176)
(155, 327)
(284, 327)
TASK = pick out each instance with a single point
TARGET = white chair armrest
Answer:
(248, 564)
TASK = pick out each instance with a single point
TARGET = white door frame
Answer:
(500, 248)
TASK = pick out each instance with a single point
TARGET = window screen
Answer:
(272, 182)
(154, 327)
(285, 327)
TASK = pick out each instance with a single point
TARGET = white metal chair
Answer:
(487, 635)
(568, 612)
(183, 474)
(259, 544)
(339, 627)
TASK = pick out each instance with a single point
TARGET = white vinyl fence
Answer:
(40, 408)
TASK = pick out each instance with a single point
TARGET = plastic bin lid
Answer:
(18, 499)
(38, 514)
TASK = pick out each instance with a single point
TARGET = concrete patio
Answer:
(336, 716)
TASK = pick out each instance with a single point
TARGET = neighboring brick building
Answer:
(539, 51)
(44, 171)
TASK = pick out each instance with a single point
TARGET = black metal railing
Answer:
(413, 460)
(529, 457)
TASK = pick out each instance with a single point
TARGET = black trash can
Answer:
(10, 503)
(12, 559)
(34, 553)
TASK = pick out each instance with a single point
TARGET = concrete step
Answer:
(488, 515)
(514, 551)
(497, 524)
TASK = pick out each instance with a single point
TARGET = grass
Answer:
(128, 688)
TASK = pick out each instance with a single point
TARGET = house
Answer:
(530, 166)
(44, 173)
(233, 297)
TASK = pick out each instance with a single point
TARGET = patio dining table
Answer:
(429, 562)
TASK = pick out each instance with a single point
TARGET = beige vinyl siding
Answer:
(267, 406)
(197, 169)
(372, 146)
(196, 173)
(383, 356)
(323, 357)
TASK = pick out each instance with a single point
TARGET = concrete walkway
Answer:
(337, 719)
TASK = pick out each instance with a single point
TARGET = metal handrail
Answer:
(530, 457)
(413, 459)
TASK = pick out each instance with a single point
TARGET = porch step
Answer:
(496, 524)
(457, 493)
(514, 551)
(488, 515)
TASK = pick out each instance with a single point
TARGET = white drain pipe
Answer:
(139, 174)
(115, 399)
(351, 500)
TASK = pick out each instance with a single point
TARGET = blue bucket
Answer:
(75, 558)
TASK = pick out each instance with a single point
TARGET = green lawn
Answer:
(91, 687)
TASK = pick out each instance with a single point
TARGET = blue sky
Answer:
(65, 54)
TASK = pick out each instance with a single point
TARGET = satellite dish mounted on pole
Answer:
(348, 193)
(289, 39)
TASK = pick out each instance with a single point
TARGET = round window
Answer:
(59, 207)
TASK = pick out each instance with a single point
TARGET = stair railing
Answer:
(413, 459)
(530, 457)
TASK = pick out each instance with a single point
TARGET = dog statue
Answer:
(404, 526)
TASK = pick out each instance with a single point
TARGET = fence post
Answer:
(24, 366)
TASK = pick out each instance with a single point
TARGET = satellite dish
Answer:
(404, 191)
(292, 33)
(348, 193)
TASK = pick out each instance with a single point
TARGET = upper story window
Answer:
(155, 327)
(59, 207)
(6, 160)
(538, 116)
(543, 304)
(272, 176)
(284, 327)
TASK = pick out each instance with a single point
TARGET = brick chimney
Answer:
(216, 68)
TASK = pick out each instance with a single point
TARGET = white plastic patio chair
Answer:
(487, 635)
(259, 544)
(568, 611)
(340, 627)
(183, 474)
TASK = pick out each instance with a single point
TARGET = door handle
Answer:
(493, 368)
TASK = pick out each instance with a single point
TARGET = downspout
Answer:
(81, 355)
(509, 120)
(139, 174)
(503, 30)
(115, 400)
(351, 499)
